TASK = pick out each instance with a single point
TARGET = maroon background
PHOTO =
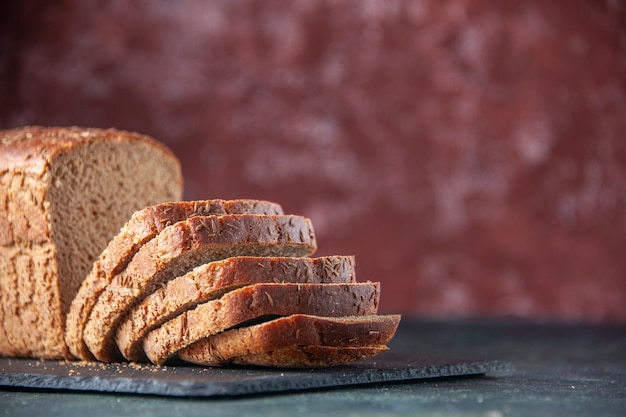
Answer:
(471, 154)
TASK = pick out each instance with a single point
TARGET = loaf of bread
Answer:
(214, 279)
(101, 260)
(255, 302)
(64, 194)
(144, 225)
(296, 341)
(180, 248)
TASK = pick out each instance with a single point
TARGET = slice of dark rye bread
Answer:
(296, 341)
(305, 356)
(142, 226)
(256, 302)
(181, 247)
(212, 280)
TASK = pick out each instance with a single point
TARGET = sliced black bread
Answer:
(211, 280)
(307, 356)
(296, 341)
(258, 301)
(181, 247)
(142, 227)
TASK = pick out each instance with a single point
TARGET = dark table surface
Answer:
(560, 370)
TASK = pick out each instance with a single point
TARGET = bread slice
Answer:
(142, 226)
(256, 302)
(180, 248)
(307, 356)
(296, 341)
(211, 280)
(64, 193)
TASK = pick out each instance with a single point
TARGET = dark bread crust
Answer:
(142, 227)
(258, 301)
(290, 341)
(212, 280)
(183, 246)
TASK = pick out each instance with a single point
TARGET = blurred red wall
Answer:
(471, 154)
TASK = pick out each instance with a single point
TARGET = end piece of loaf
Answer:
(144, 225)
(212, 280)
(296, 341)
(257, 302)
(180, 248)
(64, 193)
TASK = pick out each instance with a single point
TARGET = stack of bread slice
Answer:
(222, 282)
